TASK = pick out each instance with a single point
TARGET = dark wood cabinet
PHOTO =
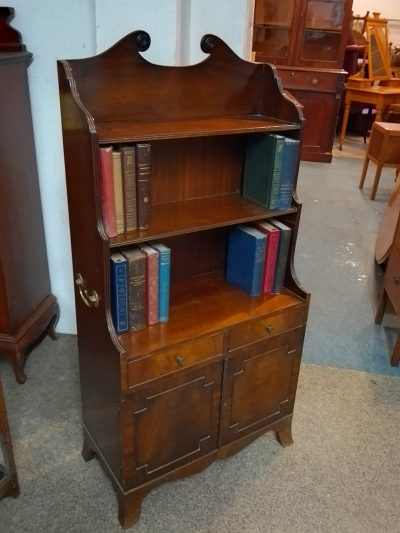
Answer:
(165, 401)
(27, 307)
(8, 473)
(306, 39)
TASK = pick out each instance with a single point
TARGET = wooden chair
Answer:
(383, 150)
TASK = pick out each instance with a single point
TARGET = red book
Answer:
(152, 268)
(107, 191)
(271, 254)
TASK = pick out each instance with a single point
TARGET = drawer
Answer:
(173, 359)
(392, 278)
(310, 80)
(266, 327)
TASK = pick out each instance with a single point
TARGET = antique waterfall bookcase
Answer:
(165, 401)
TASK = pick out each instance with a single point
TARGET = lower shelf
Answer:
(201, 305)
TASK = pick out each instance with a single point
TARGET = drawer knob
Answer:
(179, 360)
(396, 280)
(314, 81)
(269, 328)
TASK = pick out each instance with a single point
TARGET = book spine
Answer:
(289, 164)
(143, 167)
(270, 261)
(129, 187)
(281, 261)
(152, 288)
(118, 192)
(258, 267)
(276, 172)
(163, 285)
(137, 293)
(107, 191)
(119, 296)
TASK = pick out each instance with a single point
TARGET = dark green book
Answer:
(262, 169)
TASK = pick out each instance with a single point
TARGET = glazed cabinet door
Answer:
(259, 385)
(170, 423)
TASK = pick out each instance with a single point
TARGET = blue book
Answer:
(288, 172)
(119, 291)
(282, 256)
(163, 280)
(245, 259)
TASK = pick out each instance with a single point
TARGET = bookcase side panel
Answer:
(99, 359)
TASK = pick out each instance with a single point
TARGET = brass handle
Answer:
(91, 300)
(269, 328)
(179, 360)
(314, 81)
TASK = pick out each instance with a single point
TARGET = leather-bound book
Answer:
(143, 176)
(107, 191)
(128, 163)
(152, 268)
(136, 287)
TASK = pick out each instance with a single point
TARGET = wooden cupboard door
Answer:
(259, 385)
(170, 423)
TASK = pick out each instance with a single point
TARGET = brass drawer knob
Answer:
(269, 328)
(91, 300)
(179, 360)
(314, 81)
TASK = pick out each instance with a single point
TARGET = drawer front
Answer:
(313, 80)
(174, 359)
(266, 327)
(392, 278)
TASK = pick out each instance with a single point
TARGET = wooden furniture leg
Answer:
(364, 172)
(395, 359)
(376, 181)
(344, 120)
(381, 307)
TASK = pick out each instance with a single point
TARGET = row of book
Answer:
(125, 187)
(270, 170)
(257, 256)
(140, 282)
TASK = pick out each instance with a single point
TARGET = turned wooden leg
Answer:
(395, 359)
(18, 361)
(376, 182)
(344, 123)
(381, 307)
(284, 435)
(364, 172)
(51, 328)
(130, 506)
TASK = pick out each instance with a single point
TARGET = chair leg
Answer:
(364, 172)
(376, 182)
(395, 359)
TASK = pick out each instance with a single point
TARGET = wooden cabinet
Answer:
(8, 474)
(165, 401)
(306, 39)
(27, 307)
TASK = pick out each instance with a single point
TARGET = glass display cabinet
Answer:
(306, 39)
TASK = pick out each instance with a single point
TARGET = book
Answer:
(271, 254)
(136, 287)
(283, 250)
(288, 172)
(107, 191)
(164, 273)
(128, 164)
(152, 272)
(262, 169)
(118, 192)
(143, 176)
(245, 259)
(119, 291)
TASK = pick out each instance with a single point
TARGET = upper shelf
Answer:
(117, 132)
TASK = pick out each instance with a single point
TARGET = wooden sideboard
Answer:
(28, 310)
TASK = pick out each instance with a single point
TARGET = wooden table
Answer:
(380, 97)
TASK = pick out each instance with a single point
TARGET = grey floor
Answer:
(342, 473)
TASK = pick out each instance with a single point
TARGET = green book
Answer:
(262, 169)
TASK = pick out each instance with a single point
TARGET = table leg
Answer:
(364, 172)
(344, 121)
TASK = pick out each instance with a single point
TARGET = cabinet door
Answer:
(259, 385)
(323, 33)
(170, 423)
(274, 30)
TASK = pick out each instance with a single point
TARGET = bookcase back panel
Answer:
(134, 89)
(186, 169)
(197, 253)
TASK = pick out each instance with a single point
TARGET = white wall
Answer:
(389, 9)
(57, 29)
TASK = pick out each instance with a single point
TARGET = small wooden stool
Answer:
(383, 149)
